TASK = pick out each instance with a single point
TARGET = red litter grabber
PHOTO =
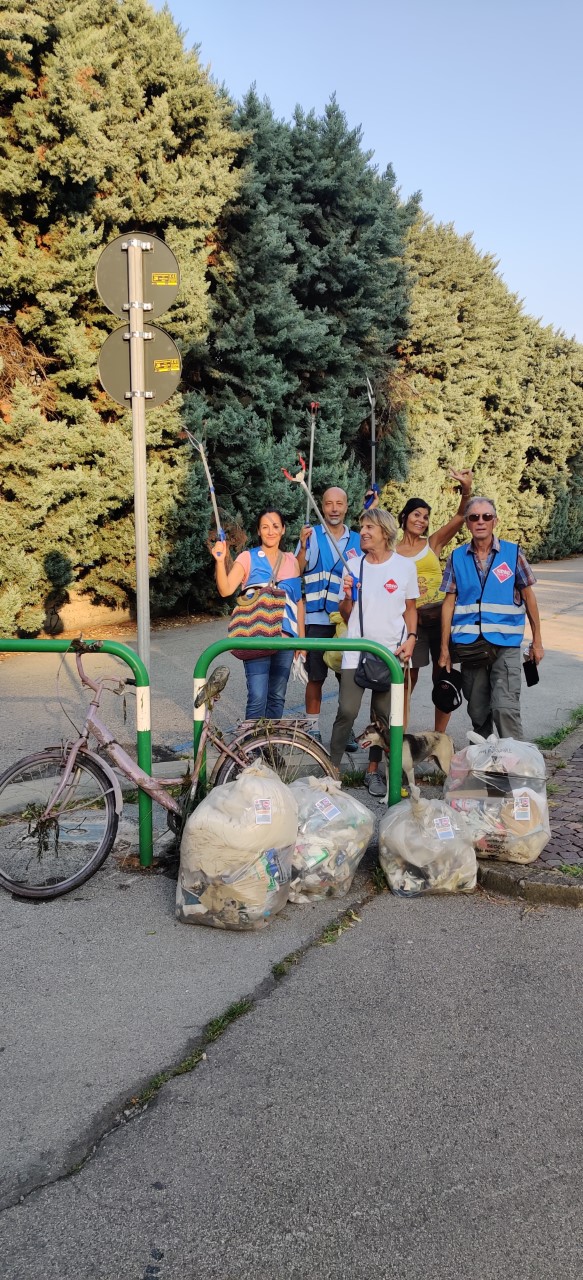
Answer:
(300, 478)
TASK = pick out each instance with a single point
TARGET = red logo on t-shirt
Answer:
(391, 586)
(502, 572)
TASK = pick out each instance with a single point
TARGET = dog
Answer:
(416, 746)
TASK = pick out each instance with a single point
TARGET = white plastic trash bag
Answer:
(499, 784)
(424, 847)
(334, 831)
(236, 853)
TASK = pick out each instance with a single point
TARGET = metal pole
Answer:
(135, 249)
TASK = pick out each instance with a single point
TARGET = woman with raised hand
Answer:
(267, 676)
(424, 551)
(388, 589)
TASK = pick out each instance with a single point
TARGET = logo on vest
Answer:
(391, 586)
(350, 553)
(502, 572)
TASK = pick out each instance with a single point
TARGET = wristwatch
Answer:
(411, 633)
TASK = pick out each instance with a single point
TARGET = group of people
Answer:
(477, 604)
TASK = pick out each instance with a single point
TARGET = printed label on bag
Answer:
(391, 586)
(443, 828)
(328, 809)
(521, 806)
(502, 572)
(262, 811)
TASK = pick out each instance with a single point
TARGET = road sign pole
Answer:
(135, 249)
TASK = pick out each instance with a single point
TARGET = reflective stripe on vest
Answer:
(322, 583)
(487, 610)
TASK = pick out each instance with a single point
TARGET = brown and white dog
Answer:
(416, 746)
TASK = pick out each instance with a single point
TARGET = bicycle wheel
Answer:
(44, 858)
(290, 754)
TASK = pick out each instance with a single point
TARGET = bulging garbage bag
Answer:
(499, 784)
(334, 831)
(424, 847)
(236, 853)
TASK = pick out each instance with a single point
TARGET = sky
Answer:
(478, 104)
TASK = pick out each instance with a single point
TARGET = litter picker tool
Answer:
(314, 406)
(198, 445)
(300, 478)
(374, 487)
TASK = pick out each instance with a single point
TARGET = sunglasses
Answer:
(488, 515)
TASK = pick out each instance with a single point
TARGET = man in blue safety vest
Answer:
(323, 574)
(489, 591)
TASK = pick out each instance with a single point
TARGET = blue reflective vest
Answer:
(322, 583)
(259, 575)
(487, 610)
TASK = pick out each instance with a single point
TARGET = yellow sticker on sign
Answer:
(167, 366)
(164, 277)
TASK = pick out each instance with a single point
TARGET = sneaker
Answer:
(376, 784)
(352, 744)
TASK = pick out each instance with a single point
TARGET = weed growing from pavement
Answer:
(550, 740)
(378, 880)
(333, 931)
(552, 788)
(353, 778)
(572, 869)
(281, 967)
(215, 1028)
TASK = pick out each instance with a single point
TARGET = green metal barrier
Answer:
(143, 722)
(291, 642)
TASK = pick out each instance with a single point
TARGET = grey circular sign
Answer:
(160, 271)
(162, 366)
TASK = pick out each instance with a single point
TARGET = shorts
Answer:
(315, 665)
(428, 642)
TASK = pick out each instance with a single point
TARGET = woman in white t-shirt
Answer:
(389, 615)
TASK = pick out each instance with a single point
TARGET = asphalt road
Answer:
(405, 1103)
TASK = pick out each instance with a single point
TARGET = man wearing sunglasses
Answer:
(489, 591)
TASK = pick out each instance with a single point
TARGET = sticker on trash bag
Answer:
(443, 828)
(328, 809)
(521, 806)
(262, 811)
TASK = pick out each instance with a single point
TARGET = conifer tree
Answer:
(108, 125)
(317, 297)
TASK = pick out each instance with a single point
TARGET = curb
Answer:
(535, 884)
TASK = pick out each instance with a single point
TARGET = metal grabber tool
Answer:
(314, 406)
(374, 490)
(300, 478)
(198, 445)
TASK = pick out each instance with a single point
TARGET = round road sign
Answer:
(160, 270)
(162, 366)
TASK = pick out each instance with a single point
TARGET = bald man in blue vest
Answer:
(489, 592)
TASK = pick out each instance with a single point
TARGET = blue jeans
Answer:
(266, 685)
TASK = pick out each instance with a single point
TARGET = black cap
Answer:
(447, 690)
